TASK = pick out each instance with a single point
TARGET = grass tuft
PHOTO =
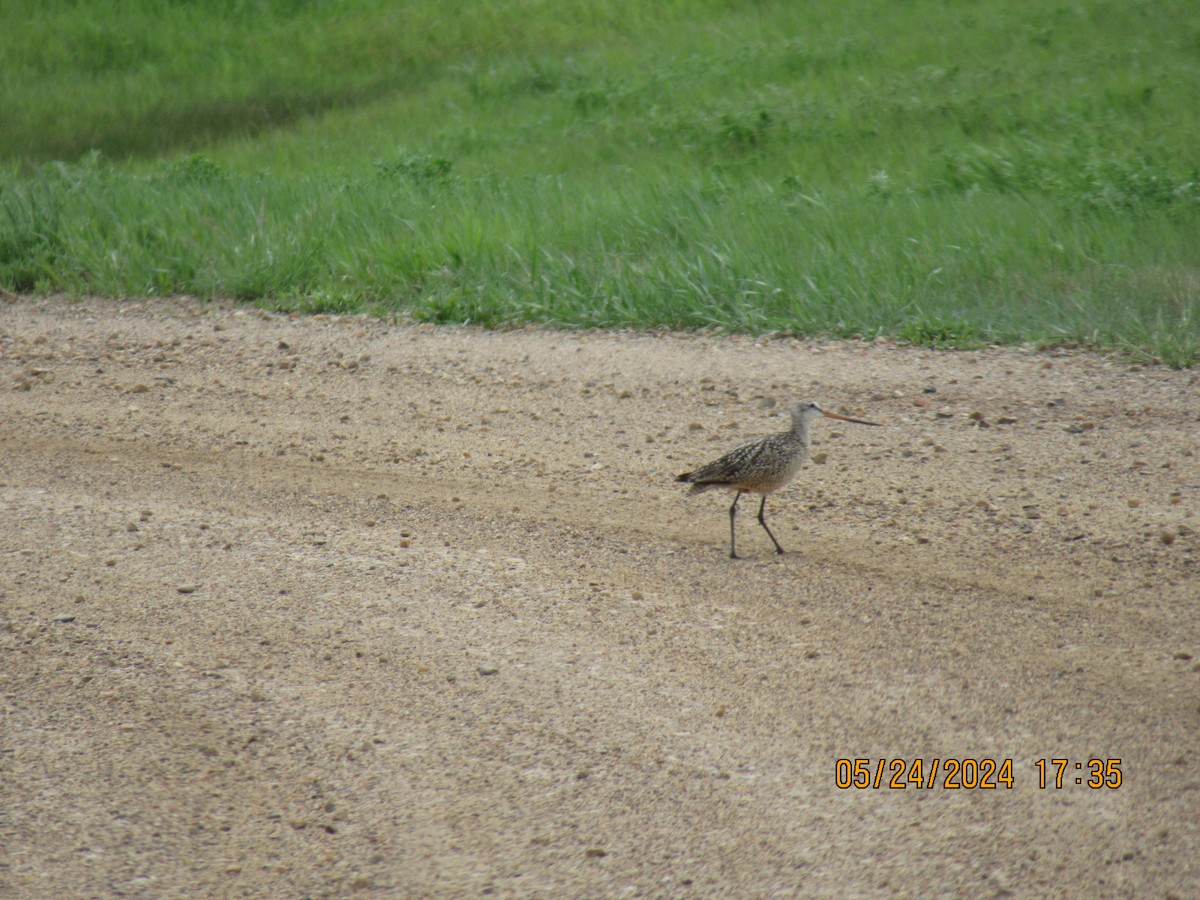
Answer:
(958, 334)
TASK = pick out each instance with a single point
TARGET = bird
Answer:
(762, 465)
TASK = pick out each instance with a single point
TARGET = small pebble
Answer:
(188, 588)
(64, 617)
(488, 670)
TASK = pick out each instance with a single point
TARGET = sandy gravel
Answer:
(333, 607)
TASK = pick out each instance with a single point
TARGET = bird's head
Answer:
(807, 410)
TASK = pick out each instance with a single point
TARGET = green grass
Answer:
(950, 176)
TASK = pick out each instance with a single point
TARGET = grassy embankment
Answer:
(942, 174)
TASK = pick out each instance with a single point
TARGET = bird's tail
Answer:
(698, 487)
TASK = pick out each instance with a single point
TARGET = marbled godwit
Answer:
(762, 465)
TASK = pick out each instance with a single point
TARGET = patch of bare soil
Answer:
(329, 607)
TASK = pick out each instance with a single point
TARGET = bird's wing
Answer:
(734, 464)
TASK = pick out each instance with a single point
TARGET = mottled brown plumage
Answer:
(761, 465)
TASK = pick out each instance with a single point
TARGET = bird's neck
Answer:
(800, 432)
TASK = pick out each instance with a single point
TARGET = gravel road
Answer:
(331, 607)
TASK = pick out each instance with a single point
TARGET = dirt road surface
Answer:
(331, 607)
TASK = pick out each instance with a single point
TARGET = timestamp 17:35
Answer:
(965, 773)
(1095, 773)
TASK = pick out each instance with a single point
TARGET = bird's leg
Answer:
(732, 514)
(762, 520)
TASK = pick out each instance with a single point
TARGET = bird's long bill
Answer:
(830, 415)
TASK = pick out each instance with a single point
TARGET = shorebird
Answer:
(762, 465)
